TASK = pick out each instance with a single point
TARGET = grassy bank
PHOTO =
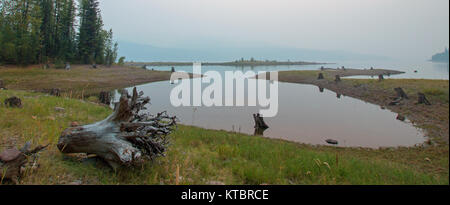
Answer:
(199, 156)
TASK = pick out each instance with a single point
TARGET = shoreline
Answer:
(429, 118)
(233, 64)
(81, 80)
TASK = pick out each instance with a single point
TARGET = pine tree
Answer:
(43, 31)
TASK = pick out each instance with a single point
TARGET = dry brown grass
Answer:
(81, 80)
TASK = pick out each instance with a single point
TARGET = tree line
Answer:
(54, 31)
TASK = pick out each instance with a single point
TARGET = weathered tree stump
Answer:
(13, 102)
(338, 79)
(55, 92)
(260, 125)
(400, 96)
(127, 137)
(380, 77)
(13, 161)
(320, 76)
(105, 97)
(67, 66)
(401, 93)
(423, 99)
(2, 85)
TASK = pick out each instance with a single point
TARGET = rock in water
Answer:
(331, 141)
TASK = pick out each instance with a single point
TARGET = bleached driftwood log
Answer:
(127, 137)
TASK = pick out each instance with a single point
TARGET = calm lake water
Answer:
(425, 69)
(306, 115)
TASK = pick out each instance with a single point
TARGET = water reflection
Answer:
(304, 116)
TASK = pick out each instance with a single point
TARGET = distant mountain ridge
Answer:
(147, 53)
(440, 57)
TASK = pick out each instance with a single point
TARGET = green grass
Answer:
(202, 156)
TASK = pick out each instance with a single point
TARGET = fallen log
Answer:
(128, 137)
(13, 162)
(423, 99)
(260, 125)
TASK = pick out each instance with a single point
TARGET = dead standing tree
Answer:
(127, 137)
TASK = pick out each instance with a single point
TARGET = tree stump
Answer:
(128, 137)
(423, 99)
(2, 85)
(13, 161)
(401, 93)
(105, 97)
(67, 66)
(320, 76)
(55, 92)
(400, 96)
(338, 79)
(380, 77)
(13, 102)
(260, 125)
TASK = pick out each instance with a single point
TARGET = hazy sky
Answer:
(395, 28)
